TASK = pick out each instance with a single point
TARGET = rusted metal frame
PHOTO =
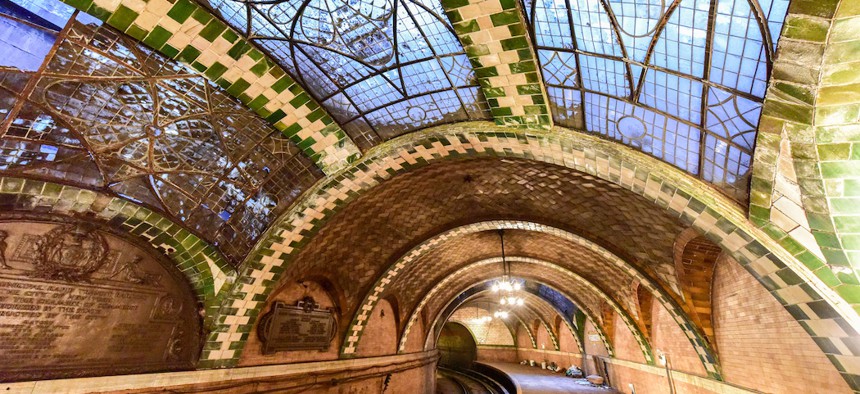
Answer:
(576, 56)
(658, 31)
(34, 77)
(435, 56)
(767, 40)
(624, 54)
(733, 91)
(712, 20)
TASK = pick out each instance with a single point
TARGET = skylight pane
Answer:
(552, 24)
(726, 165)
(566, 105)
(594, 32)
(54, 12)
(739, 60)
(234, 13)
(362, 57)
(678, 96)
(23, 47)
(458, 70)
(681, 45)
(604, 76)
(424, 77)
(653, 133)
(732, 117)
(559, 68)
(637, 22)
(775, 12)
(420, 111)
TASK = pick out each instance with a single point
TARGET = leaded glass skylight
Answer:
(102, 112)
(679, 79)
(380, 67)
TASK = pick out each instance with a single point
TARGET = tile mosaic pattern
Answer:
(446, 283)
(187, 32)
(808, 138)
(448, 297)
(496, 40)
(381, 68)
(526, 314)
(564, 307)
(105, 113)
(695, 258)
(496, 332)
(439, 295)
(680, 80)
(570, 252)
(828, 318)
(205, 269)
(407, 210)
(400, 271)
(579, 290)
(413, 281)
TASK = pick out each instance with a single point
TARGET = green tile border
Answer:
(193, 256)
(500, 51)
(692, 201)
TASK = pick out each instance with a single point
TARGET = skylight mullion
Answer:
(709, 48)
(621, 45)
(578, 67)
(436, 57)
(658, 32)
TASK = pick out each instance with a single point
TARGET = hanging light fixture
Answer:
(506, 287)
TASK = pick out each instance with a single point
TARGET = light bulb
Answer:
(519, 301)
(517, 286)
(512, 300)
(503, 301)
(495, 287)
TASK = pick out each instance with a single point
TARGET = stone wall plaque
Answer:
(304, 326)
(76, 301)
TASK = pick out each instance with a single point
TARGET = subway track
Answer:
(455, 382)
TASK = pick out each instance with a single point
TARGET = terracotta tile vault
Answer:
(676, 182)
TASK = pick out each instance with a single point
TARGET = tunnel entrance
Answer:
(457, 347)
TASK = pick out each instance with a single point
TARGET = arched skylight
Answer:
(100, 111)
(381, 67)
(678, 79)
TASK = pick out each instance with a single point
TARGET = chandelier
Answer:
(507, 288)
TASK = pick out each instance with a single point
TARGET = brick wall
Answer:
(566, 342)
(760, 344)
(417, 336)
(668, 338)
(495, 354)
(289, 294)
(626, 347)
(543, 339)
(381, 332)
(523, 340)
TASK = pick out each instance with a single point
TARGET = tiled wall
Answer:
(759, 343)
(205, 269)
(495, 37)
(812, 106)
(693, 202)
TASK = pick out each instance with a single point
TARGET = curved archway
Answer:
(445, 306)
(457, 346)
(678, 194)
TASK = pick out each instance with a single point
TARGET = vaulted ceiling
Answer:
(295, 139)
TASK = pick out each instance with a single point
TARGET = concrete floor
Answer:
(538, 381)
